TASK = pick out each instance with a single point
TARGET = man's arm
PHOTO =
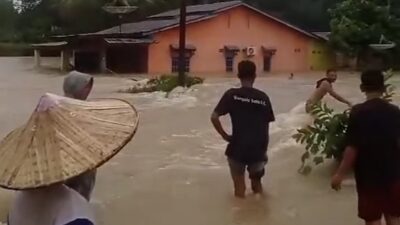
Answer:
(349, 158)
(218, 127)
(270, 111)
(352, 139)
(328, 87)
(223, 107)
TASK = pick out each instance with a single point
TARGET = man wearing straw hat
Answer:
(64, 138)
(78, 86)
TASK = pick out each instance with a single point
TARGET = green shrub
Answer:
(324, 139)
(164, 83)
(135, 90)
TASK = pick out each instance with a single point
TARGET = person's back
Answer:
(55, 205)
(251, 112)
(372, 150)
(375, 130)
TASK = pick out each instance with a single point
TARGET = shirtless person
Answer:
(324, 86)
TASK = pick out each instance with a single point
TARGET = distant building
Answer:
(218, 37)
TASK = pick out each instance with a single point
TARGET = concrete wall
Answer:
(239, 26)
(321, 56)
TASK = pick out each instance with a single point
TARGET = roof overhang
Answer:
(127, 41)
(50, 45)
(233, 48)
(268, 50)
(188, 47)
(323, 35)
(136, 34)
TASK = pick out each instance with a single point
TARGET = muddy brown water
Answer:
(174, 171)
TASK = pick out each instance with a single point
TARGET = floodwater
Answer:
(174, 171)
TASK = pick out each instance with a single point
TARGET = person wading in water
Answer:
(372, 151)
(251, 113)
(324, 86)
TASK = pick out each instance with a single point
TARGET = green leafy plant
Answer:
(164, 83)
(324, 139)
(167, 83)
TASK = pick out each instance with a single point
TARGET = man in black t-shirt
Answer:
(251, 112)
(373, 152)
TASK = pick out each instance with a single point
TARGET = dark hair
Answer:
(328, 71)
(372, 81)
(247, 70)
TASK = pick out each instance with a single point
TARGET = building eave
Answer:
(293, 27)
(322, 35)
(206, 17)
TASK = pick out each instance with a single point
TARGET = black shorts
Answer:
(256, 170)
(373, 203)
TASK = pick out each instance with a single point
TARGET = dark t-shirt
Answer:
(76, 222)
(251, 112)
(80, 222)
(374, 128)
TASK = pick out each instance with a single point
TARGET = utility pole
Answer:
(182, 45)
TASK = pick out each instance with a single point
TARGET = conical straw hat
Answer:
(64, 138)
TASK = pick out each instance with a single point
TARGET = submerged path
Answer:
(174, 172)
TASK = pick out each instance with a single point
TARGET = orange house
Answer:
(218, 37)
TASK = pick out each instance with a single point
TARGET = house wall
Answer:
(321, 56)
(127, 58)
(89, 55)
(239, 26)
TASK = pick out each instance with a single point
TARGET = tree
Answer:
(81, 16)
(8, 16)
(39, 19)
(26, 5)
(308, 14)
(356, 24)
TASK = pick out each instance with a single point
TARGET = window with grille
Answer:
(175, 64)
(267, 63)
(229, 63)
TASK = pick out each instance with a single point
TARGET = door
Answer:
(88, 62)
(267, 63)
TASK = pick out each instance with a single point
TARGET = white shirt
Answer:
(55, 205)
